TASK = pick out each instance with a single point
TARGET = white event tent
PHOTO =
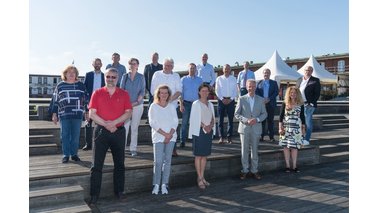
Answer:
(319, 71)
(280, 71)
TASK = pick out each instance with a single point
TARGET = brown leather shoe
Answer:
(243, 176)
(257, 176)
(221, 141)
(174, 153)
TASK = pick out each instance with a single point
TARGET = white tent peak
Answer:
(279, 70)
(319, 72)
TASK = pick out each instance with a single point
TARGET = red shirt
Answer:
(110, 107)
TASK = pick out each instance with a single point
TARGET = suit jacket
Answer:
(272, 94)
(243, 113)
(88, 82)
(312, 90)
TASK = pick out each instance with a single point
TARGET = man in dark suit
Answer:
(149, 71)
(310, 90)
(268, 89)
(93, 80)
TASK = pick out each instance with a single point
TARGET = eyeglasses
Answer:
(110, 76)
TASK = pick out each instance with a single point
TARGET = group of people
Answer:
(114, 101)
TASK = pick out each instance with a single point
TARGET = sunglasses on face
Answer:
(110, 76)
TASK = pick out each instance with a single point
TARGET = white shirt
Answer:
(302, 88)
(196, 117)
(226, 87)
(164, 118)
(173, 81)
(96, 80)
(206, 72)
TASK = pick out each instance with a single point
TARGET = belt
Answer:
(118, 128)
(226, 97)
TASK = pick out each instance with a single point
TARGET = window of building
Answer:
(45, 90)
(30, 79)
(294, 67)
(322, 64)
(55, 80)
(341, 66)
(39, 90)
(44, 80)
(30, 90)
(39, 80)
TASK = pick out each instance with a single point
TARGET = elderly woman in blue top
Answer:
(133, 82)
(70, 103)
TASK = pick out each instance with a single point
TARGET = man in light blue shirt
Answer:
(243, 77)
(121, 69)
(190, 85)
(206, 71)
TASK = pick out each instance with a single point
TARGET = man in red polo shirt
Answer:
(109, 107)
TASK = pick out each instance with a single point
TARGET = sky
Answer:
(229, 31)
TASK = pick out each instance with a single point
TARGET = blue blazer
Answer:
(312, 90)
(88, 82)
(273, 91)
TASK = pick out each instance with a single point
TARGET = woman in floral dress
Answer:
(292, 126)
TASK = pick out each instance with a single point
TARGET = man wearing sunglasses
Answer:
(109, 108)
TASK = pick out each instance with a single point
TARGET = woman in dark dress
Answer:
(201, 129)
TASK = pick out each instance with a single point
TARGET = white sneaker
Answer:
(155, 191)
(164, 189)
(134, 153)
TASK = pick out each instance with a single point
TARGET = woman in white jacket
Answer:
(163, 121)
(202, 129)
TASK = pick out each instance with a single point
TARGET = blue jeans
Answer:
(308, 111)
(185, 121)
(70, 136)
(162, 162)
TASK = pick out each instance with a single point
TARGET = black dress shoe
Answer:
(121, 196)
(93, 200)
(174, 153)
(65, 160)
(182, 145)
(75, 158)
(86, 148)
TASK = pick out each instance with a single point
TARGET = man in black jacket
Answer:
(310, 90)
(93, 80)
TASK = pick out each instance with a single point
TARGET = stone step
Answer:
(55, 195)
(333, 157)
(42, 139)
(44, 131)
(334, 148)
(72, 207)
(43, 149)
(335, 126)
(336, 121)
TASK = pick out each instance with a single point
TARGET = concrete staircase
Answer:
(43, 142)
(57, 198)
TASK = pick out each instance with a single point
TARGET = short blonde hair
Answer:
(69, 67)
(288, 98)
(157, 93)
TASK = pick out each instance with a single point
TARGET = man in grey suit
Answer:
(250, 111)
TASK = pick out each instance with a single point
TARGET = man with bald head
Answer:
(268, 89)
(310, 90)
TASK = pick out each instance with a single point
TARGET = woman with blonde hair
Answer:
(292, 126)
(69, 104)
(163, 121)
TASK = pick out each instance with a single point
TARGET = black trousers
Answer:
(222, 110)
(104, 140)
(89, 134)
(270, 121)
